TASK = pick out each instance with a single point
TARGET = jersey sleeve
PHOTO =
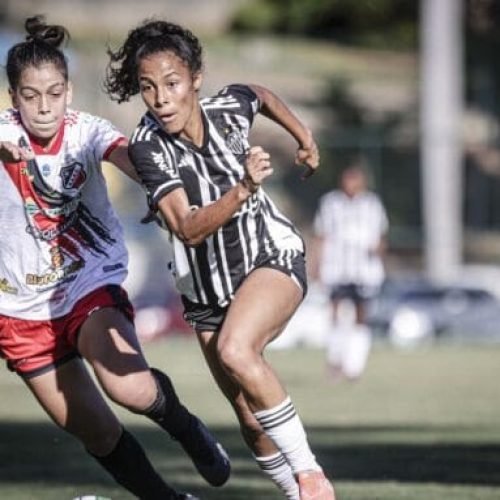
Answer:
(156, 167)
(247, 99)
(104, 137)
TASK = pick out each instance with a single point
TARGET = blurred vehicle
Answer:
(409, 312)
(415, 311)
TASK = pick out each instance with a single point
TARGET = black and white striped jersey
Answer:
(211, 272)
(351, 230)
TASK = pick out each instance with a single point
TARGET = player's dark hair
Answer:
(40, 47)
(151, 37)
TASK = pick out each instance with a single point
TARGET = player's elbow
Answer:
(189, 237)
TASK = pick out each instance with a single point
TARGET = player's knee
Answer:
(100, 438)
(103, 444)
(231, 356)
(238, 361)
(132, 392)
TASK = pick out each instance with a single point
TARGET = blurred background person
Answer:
(350, 228)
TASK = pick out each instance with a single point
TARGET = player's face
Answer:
(170, 93)
(41, 98)
(353, 182)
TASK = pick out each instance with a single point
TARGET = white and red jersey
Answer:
(59, 236)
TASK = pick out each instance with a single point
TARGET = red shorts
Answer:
(34, 347)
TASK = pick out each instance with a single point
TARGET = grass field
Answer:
(419, 425)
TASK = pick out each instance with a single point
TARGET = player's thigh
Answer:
(70, 397)
(108, 341)
(262, 307)
(108, 335)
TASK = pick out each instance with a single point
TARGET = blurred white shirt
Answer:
(351, 229)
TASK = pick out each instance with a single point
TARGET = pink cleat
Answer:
(313, 485)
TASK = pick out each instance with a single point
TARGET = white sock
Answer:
(284, 428)
(356, 351)
(279, 471)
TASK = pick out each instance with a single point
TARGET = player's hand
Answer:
(10, 153)
(308, 155)
(257, 167)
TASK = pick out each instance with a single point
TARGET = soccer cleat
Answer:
(313, 485)
(208, 456)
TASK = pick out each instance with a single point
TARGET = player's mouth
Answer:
(45, 124)
(167, 117)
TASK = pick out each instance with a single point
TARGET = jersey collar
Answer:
(55, 143)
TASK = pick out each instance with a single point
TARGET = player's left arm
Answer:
(274, 108)
(119, 157)
(383, 243)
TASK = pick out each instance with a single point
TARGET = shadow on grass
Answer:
(31, 452)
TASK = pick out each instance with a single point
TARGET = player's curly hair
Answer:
(40, 46)
(150, 37)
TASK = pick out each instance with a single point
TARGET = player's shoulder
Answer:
(230, 96)
(146, 131)
(78, 118)
(332, 196)
(372, 196)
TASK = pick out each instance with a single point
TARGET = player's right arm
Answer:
(191, 224)
(10, 153)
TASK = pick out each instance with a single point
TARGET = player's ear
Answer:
(13, 98)
(197, 80)
(69, 94)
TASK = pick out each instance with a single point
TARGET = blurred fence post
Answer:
(441, 150)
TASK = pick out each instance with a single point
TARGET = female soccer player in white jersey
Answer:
(237, 261)
(62, 262)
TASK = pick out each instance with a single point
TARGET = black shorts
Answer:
(206, 317)
(354, 292)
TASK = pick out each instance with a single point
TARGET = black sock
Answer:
(167, 411)
(130, 467)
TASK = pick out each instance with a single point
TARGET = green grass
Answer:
(418, 425)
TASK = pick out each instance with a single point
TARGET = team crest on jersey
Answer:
(235, 142)
(185, 160)
(73, 175)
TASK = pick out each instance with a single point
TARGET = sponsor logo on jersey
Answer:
(6, 287)
(56, 276)
(45, 170)
(159, 161)
(112, 267)
(56, 257)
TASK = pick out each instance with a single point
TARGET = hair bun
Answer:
(39, 30)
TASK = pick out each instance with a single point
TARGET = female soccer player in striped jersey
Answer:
(62, 263)
(237, 260)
